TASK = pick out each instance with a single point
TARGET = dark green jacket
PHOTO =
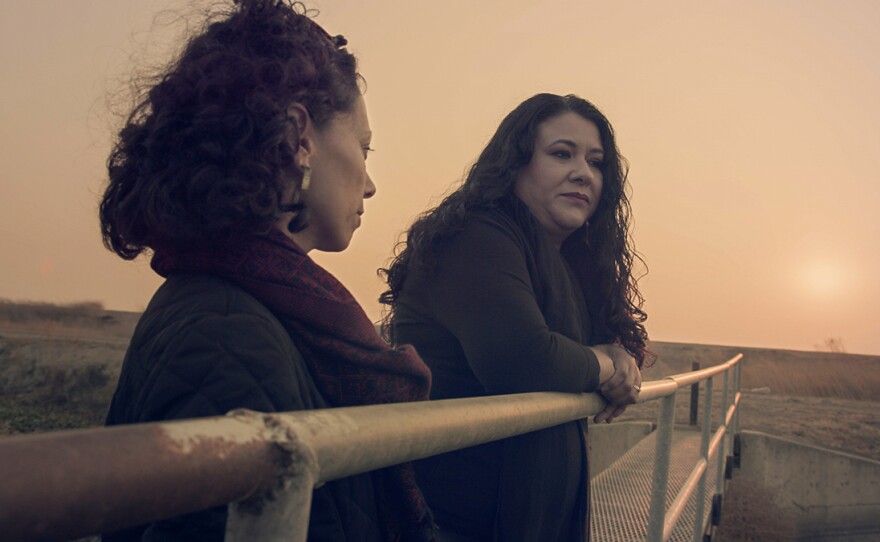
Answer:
(204, 347)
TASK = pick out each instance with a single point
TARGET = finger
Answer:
(626, 399)
(615, 412)
(603, 416)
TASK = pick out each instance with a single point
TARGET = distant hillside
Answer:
(787, 372)
(84, 320)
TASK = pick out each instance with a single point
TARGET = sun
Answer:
(825, 278)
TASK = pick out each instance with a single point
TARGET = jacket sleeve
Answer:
(484, 296)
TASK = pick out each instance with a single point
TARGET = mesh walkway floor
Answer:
(621, 494)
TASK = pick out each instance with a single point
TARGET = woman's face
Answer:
(340, 182)
(562, 184)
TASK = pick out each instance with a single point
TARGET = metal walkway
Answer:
(621, 494)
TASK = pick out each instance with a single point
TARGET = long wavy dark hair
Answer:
(602, 254)
(209, 149)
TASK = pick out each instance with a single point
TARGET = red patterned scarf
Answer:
(350, 363)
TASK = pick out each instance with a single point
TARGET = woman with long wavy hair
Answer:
(246, 154)
(521, 281)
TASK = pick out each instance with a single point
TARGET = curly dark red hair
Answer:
(209, 149)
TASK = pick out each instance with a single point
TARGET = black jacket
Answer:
(502, 313)
(204, 347)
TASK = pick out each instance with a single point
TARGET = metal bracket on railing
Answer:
(282, 512)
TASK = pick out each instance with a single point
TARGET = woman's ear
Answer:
(304, 128)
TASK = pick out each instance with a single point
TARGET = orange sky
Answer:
(751, 128)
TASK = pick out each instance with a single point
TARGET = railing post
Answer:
(665, 426)
(726, 442)
(695, 395)
(282, 518)
(281, 515)
(704, 453)
(737, 387)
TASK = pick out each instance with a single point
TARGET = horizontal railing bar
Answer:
(690, 485)
(656, 389)
(183, 466)
(686, 379)
(681, 498)
(731, 412)
(80, 482)
(74, 483)
(687, 489)
(394, 433)
(728, 416)
(717, 439)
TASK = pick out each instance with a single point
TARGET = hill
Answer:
(59, 365)
(820, 398)
(785, 372)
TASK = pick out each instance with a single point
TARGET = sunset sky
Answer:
(752, 129)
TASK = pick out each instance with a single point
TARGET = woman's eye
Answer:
(562, 154)
(598, 164)
(367, 149)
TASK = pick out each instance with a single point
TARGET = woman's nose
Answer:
(583, 174)
(369, 188)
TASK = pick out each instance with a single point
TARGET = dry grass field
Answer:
(59, 365)
(818, 398)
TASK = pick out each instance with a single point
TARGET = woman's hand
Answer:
(622, 387)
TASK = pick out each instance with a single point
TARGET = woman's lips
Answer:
(578, 196)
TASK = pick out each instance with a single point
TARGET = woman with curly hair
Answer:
(520, 281)
(245, 155)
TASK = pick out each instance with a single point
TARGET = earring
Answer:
(587, 232)
(307, 178)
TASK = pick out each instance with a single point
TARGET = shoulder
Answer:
(204, 346)
(205, 302)
(193, 308)
(506, 230)
(491, 226)
(203, 294)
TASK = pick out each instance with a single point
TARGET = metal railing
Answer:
(69, 484)
(662, 521)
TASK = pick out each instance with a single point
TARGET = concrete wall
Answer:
(824, 490)
(608, 441)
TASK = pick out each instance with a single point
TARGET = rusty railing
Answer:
(68, 484)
